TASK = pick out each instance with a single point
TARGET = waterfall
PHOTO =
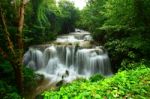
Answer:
(68, 59)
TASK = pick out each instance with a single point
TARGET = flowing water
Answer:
(69, 57)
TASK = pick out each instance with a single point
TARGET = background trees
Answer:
(91, 16)
(69, 15)
(122, 26)
(45, 19)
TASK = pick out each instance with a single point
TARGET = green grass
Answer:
(131, 84)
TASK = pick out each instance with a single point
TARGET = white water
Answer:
(68, 62)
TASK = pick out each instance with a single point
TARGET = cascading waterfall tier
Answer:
(69, 57)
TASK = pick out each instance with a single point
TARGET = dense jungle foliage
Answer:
(122, 26)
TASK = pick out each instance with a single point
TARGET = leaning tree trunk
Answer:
(20, 47)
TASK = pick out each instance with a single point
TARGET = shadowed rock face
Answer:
(69, 57)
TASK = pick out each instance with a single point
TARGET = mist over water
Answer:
(69, 57)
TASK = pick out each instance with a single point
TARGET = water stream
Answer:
(69, 57)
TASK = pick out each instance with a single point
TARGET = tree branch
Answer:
(6, 34)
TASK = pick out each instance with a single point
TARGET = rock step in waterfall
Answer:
(69, 57)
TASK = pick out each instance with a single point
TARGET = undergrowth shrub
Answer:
(8, 89)
(96, 77)
(30, 82)
(133, 84)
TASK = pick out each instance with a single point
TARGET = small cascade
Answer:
(49, 53)
(33, 59)
(70, 60)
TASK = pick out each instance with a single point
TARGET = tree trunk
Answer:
(19, 77)
(16, 52)
(20, 47)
